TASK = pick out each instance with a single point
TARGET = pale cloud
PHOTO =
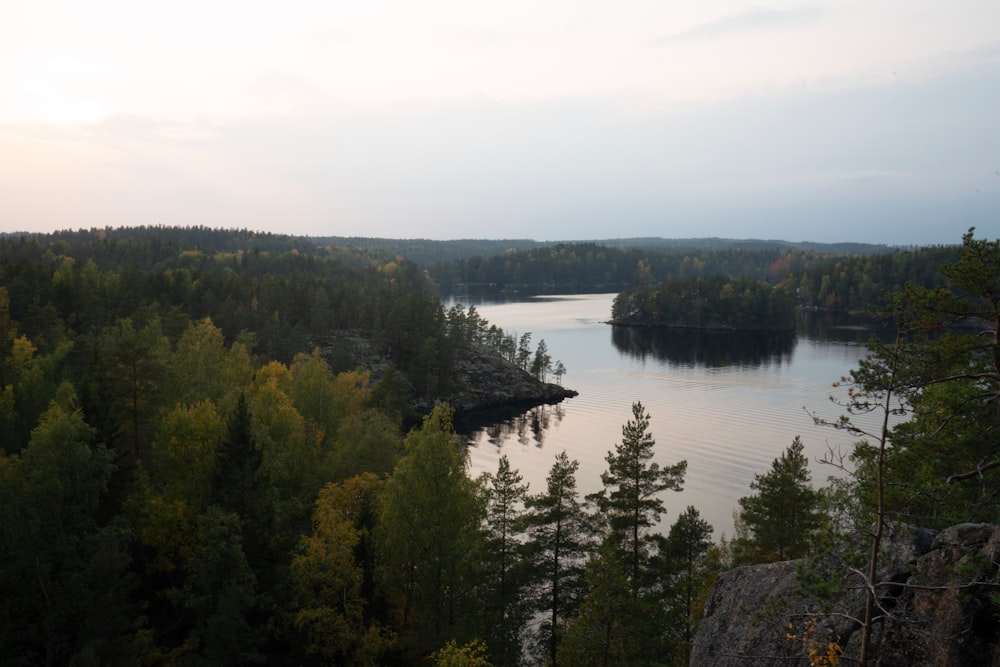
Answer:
(755, 20)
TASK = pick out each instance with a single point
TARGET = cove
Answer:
(728, 403)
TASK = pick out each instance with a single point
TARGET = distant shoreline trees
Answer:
(844, 277)
(716, 302)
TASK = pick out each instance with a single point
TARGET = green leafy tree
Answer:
(198, 365)
(430, 538)
(329, 577)
(558, 544)
(63, 570)
(366, 441)
(168, 502)
(31, 382)
(472, 654)
(323, 398)
(23, 393)
(783, 513)
(290, 473)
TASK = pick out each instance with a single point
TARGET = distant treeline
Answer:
(426, 252)
(816, 279)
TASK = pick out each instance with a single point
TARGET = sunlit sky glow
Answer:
(563, 119)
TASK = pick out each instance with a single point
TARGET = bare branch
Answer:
(980, 469)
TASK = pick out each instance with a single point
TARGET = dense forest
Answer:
(278, 295)
(845, 281)
(208, 459)
(173, 402)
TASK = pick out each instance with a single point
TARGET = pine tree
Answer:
(607, 633)
(505, 608)
(630, 500)
(782, 515)
(686, 575)
(631, 504)
(558, 543)
(541, 363)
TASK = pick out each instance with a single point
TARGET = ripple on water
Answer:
(728, 422)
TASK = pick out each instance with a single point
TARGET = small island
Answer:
(715, 303)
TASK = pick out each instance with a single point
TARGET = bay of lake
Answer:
(729, 404)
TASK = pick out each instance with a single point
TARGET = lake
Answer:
(727, 403)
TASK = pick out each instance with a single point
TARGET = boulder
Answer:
(935, 605)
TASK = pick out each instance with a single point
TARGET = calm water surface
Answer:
(727, 404)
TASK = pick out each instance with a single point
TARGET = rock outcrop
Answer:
(482, 380)
(486, 381)
(934, 595)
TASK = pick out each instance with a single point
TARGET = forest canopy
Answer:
(212, 454)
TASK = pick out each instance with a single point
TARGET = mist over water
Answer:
(727, 403)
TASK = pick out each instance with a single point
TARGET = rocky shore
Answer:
(483, 380)
(487, 381)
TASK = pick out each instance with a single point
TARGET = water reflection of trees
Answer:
(500, 425)
(704, 348)
(840, 327)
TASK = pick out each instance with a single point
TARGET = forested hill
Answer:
(279, 295)
(426, 252)
(169, 423)
(715, 243)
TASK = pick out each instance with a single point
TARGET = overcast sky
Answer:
(854, 120)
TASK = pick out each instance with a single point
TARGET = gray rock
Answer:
(934, 587)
